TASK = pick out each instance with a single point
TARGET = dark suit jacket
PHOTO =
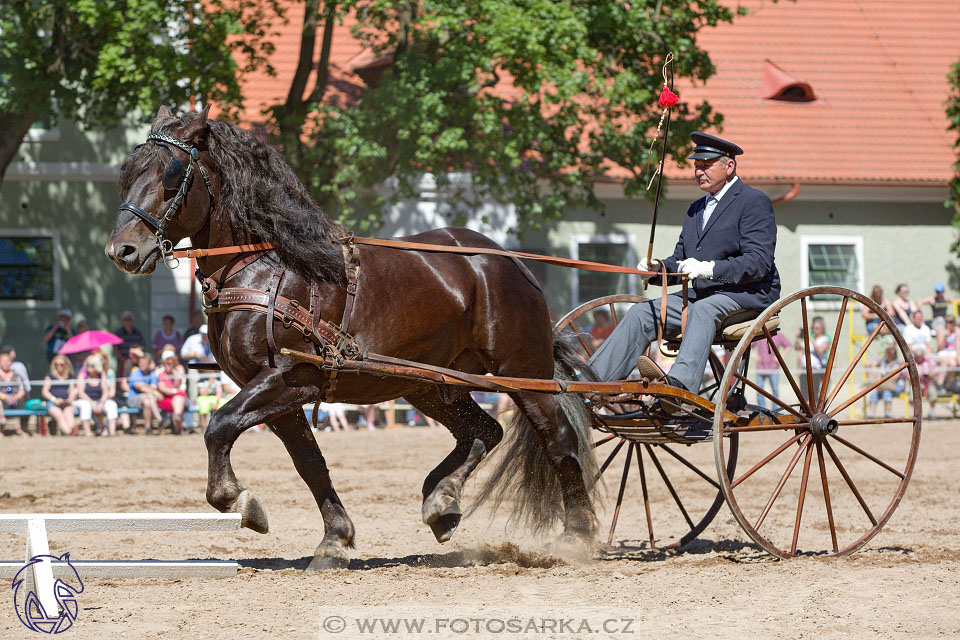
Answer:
(741, 237)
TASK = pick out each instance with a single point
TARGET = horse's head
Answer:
(166, 189)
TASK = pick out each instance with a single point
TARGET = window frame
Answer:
(611, 238)
(805, 241)
(54, 235)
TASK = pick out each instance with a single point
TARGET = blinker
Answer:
(173, 174)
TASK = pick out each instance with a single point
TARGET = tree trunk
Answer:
(13, 126)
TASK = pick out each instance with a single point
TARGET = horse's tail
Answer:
(522, 473)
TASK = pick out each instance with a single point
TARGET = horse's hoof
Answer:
(574, 548)
(325, 558)
(442, 512)
(253, 515)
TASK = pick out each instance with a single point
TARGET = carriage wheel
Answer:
(676, 476)
(860, 464)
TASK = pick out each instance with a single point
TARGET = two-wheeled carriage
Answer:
(801, 466)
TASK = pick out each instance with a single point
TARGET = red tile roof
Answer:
(877, 68)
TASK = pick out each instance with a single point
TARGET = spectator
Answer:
(206, 400)
(167, 335)
(59, 392)
(134, 355)
(602, 327)
(895, 386)
(196, 348)
(82, 326)
(947, 338)
(819, 348)
(95, 394)
(767, 366)
(870, 318)
(939, 304)
(917, 334)
(12, 393)
(142, 391)
(225, 390)
(131, 336)
(58, 333)
(170, 381)
(197, 321)
(337, 413)
(926, 369)
(903, 306)
(21, 370)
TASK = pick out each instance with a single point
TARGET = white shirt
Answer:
(713, 201)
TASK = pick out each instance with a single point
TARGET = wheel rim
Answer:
(860, 474)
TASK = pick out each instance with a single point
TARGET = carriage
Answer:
(819, 413)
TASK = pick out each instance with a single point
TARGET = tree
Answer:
(523, 101)
(953, 117)
(97, 61)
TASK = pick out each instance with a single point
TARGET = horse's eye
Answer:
(173, 174)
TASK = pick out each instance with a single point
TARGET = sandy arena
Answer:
(904, 583)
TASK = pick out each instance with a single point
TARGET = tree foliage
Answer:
(953, 117)
(585, 75)
(98, 61)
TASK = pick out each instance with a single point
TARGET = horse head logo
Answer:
(31, 611)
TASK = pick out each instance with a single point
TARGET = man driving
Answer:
(726, 248)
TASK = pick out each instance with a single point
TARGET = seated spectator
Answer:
(926, 368)
(225, 389)
(337, 414)
(59, 392)
(870, 318)
(170, 381)
(819, 352)
(95, 393)
(166, 336)
(196, 348)
(917, 334)
(21, 370)
(601, 329)
(58, 333)
(903, 306)
(13, 393)
(207, 400)
(947, 339)
(889, 361)
(142, 391)
(767, 367)
(939, 305)
(131, 336)
(136, 352)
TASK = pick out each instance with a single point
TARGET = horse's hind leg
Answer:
(476, 434)
(294, 431)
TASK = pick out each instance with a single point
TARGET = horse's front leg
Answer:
(265, 398)
(294, 431)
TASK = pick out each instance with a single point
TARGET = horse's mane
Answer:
(263, 197)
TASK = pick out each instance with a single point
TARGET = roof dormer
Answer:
(777, 84)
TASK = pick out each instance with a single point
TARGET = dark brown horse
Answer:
(474, 313)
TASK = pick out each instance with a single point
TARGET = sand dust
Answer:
(904, 583)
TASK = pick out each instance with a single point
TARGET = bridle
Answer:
(175, 176)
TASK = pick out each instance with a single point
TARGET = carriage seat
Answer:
(733, 328)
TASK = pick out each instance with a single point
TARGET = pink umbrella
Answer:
(88, 341)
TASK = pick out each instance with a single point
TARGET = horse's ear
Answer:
(163, 115)
(195, 128)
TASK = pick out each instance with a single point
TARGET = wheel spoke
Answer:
(578, 333)
(783, 480)
(613, 314)
(846, 477)
(769, 457)
(806, 351)
(870, 388)
(690, 466)
(853, 364)
(769, 396)
(826, 496)
(768, 427)
(623, 485)
(646, 497)
(604, 440)
(803, 495)
(786, 371)
(821, 399)
(868, 456)
(854, 423)
(613, 454)
(666, 481)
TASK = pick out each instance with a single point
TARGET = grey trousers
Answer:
(618, 355)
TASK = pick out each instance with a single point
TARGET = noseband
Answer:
(159, 227)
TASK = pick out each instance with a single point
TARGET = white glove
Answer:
(696, 268)
(653, 266)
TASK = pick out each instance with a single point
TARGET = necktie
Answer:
(708, 210)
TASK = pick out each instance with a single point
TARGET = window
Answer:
(29, 273)
(834, 260)
(613, 249)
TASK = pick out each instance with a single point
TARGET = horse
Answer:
(471, 312)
